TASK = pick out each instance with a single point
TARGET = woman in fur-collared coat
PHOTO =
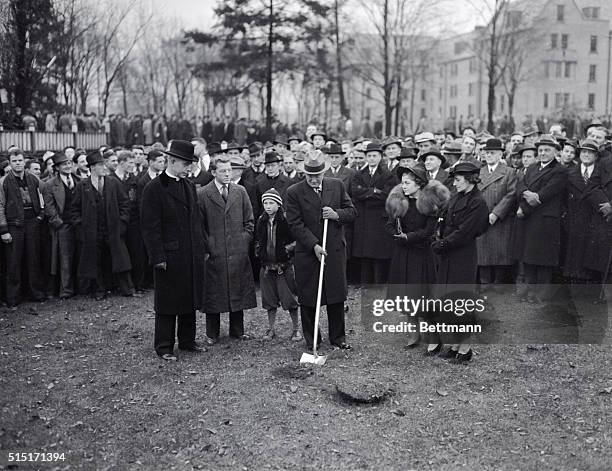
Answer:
(412, 269)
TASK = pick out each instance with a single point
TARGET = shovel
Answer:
(314, 358)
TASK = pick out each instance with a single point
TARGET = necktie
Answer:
(431, 175)
(70, 184)
(224, 193)
(585, 175)
(490, 169)
(318, 192)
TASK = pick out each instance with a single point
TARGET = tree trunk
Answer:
(491, 70)
(269, 68)
(387, 83)
(398, 103)
(412, 93)
(340, 79)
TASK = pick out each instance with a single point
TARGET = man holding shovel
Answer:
(309, 202)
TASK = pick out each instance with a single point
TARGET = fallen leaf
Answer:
(398, 412)
(212, 431)
(606, 390)
(442, 392)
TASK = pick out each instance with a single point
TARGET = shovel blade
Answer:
(308, 358)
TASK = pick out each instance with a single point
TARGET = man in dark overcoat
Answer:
(173, 229)
(337, 169)
(58, 193)
(498, 188)
(272, 177)
(309, 202)
(229, 219)
(100, 213)
(369, 190)
(540, 196)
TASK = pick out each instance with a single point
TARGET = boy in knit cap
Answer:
(274, 248)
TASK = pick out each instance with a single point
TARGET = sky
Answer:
(199, 14)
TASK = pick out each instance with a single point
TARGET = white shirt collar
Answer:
(198, 169)
(546, 164)
(220, 185)
(172, 176)
(152, 173)
(492, 168)
(588, 169)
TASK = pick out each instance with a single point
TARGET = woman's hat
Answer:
(181, 150)
(463, 168)
(418, 171)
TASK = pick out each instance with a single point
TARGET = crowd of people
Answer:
(204, 220)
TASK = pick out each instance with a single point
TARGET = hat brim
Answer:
(400, 171)
(65, 159)
(549, 144)
(326, 167)
(493, 148)
(182, 157)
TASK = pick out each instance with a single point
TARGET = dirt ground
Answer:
(81, 377)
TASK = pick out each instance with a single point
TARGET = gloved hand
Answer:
(438, 246)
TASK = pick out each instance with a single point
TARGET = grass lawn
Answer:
(81, 377)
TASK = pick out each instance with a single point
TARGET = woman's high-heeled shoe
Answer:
(462, 357)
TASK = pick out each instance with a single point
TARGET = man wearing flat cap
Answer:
(308, 203)
(173, 229)
(100, 214)
(58, 193)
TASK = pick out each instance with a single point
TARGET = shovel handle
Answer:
(319, 290)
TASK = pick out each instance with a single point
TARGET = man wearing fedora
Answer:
(100, 214)
(433, 161)
(58, 193)
(425, 141)
(498, 188)
(336, 169)
(308, 203)
(272, 177)
(371, 243)
(540, 197)
(392, 148)
(174, 235)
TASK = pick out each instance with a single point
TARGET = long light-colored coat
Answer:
(499, 191)
(229, 277)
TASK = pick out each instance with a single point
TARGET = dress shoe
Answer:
(462, 357)
(449, 354)
(243, 337)
(296, 336)
(194, 348)
(342, 346)
(270, 334)
(411, 346)
(168, 357)
(434, 352)
(211, 341)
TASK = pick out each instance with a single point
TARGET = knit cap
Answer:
(273, 195)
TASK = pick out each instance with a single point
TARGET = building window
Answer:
(564, 41)
(423, 115)
(368, 93)
(558, 67)
(453, 111)
(470, 110)
(501, 103)
(440, 93)
(553, 40)
(591, 101)
(566, 99)
(594, 44)
(560, 12)
(592, 73)
(558, 98)
(454, 69)
(546, 100)
(568, 69)
(471, 89)
(547, 69)
(441, 72)
(453, 91)
(423, 95)
(591, 12)
(472, 65)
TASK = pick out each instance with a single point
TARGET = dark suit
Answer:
(202, 179)
(371, 242)
(62, 233)
(173, 232)
(541, 236)
(344, 174)
(304, 208)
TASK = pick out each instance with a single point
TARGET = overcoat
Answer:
(230, 231)
(541, 238)
(412, 260)
(370, 240)
(83, 216)
(173, 230)
(304, 215)
(465, 218)
(499, 192)
(55, 198)
(599, 245)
